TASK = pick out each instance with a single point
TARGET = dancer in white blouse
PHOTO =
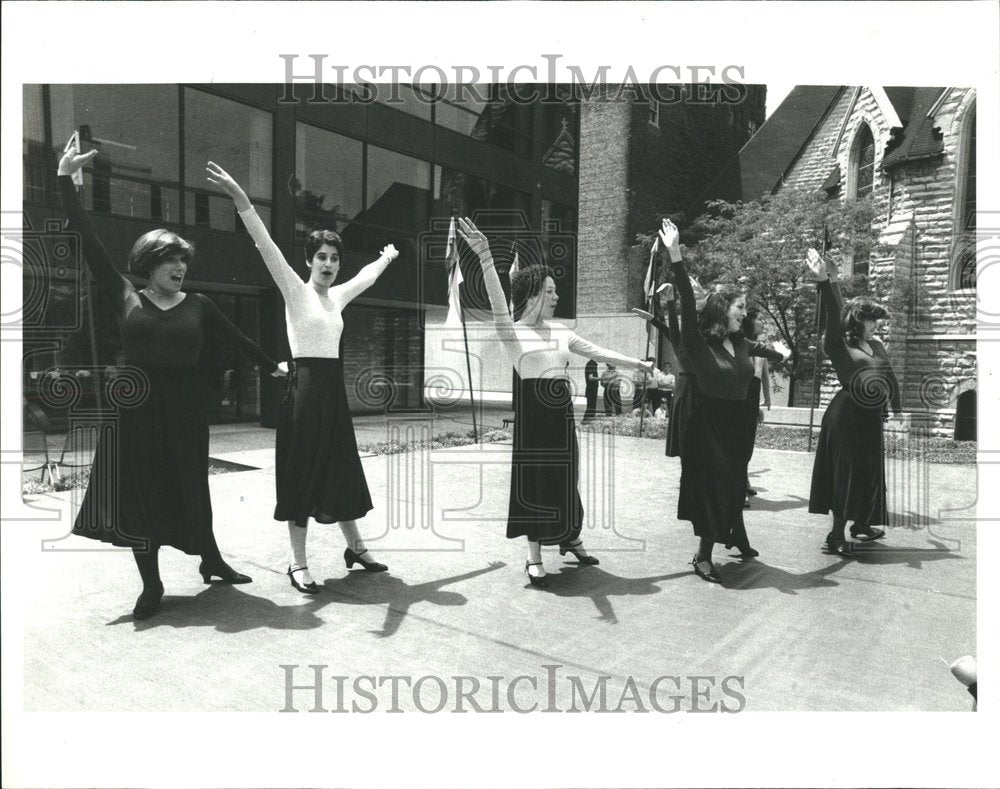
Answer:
(318, 473)
(545, 503)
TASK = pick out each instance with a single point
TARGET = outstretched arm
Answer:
(282, 274)
(365, 278)
(218, 325)
(109, 280)
(478, 243)
(578, 344)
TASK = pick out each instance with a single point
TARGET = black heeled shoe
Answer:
(574, 548)
(310, 588)
(351, 558)
(224, 572)
(536, 580)
(709, 575)
(148, 602)
(746, 552)
(839, 546)
(867, 533)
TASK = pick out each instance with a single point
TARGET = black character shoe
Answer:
(541, 579)
(576, 548)
(222, 571)
(705, 570)
(351, 558)
(310, 588)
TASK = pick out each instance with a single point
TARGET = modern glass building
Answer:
(379, 172)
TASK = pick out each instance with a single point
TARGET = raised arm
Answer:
(365, 278)
(694, 344)
(502, 321)
(109, 280)
(834, 344)
(218, 325)
(282, 274)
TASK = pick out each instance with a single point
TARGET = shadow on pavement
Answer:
(773, 505)
(756, 574)
(228, 609)
(880, 553)
(361, 588)
(600, 585)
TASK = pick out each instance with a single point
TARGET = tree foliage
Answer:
(761, 247)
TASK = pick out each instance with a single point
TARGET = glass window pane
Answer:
(235, 136)
(135, 128)
(329, 172)
(398, 190)
(457, 193)
(462, 107)
(34, 144)
(403, 97)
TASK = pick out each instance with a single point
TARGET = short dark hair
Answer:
(152, 248)
(855, 312)
(747, 327)
(526, 283)
(317, 238)
(713, 320)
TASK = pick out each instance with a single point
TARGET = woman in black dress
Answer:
(849, 471)
(713, 440)
(149, 486)
(545, 505)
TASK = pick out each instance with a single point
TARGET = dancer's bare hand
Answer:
(670, 238)
(646, 316)
(220, 178)
(816, 264)
(472, 236)
(72, 160)
(389, 252)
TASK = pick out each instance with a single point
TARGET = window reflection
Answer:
(398, 190)
(328, 181)
(134, 127)
(238, 138)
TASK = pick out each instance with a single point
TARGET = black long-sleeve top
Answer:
(151, 336)
(719, 373)
(868, 377)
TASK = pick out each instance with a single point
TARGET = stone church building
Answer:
(914, 150)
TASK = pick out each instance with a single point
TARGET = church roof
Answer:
(919, 137)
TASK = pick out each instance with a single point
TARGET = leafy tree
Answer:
(761, 247)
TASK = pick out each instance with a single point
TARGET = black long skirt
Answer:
(149, 479)
(318, 472)
(686, 396)
(753, 413)
(545, 504)
(714, 470)
(849, 470)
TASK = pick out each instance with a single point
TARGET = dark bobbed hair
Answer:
(317, 238)
(713, 319)
(857, 310)
(525, 283)
(152, 248)
(748, 321)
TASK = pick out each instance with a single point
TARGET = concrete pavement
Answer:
(794, 630)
